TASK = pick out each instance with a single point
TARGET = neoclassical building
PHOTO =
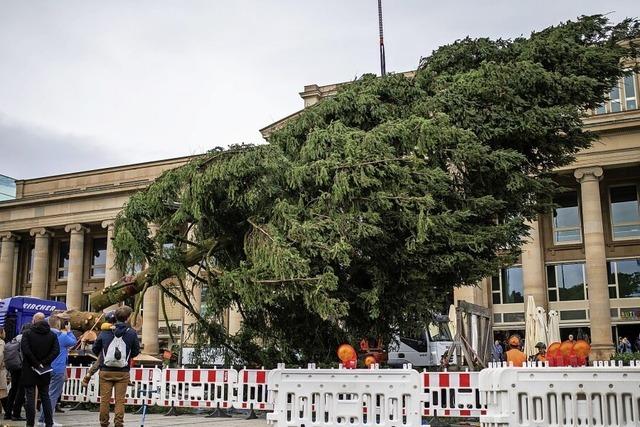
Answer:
(56, 240)
(582, 259)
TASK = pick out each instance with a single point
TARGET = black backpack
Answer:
(12, 355)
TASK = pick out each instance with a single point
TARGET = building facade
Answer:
(582, 259)
(56, 241)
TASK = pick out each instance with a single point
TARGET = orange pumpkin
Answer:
(346, 353)
(566, 347)
(553, 347)
(582, 348)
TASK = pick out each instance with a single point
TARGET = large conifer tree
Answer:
(363, 213)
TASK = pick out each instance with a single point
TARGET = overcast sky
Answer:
(87, 84)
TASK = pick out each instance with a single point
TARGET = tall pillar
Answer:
(150, 315)
(533, 273)
(6, 264)
(76, 264)
(150, 307)
(596, 262)
(40, 277)
(235, 320)
(112, 273)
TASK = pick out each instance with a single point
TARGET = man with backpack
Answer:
(117, 347)
(39, 348)
(13, 363)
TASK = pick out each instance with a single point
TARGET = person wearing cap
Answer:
(514, 355)
(541, 355)
(109, 321)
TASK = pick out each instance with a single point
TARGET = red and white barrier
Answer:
(74, 391)
(451, 394)
(198, 388)
(252, 390)
(143, 382)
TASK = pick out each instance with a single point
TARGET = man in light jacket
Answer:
(66, 340)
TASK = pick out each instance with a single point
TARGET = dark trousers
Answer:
(42, 384)
(15, 400)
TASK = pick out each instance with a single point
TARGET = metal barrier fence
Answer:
(606, 394)
(535, 395)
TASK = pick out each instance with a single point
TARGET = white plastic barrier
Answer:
(337, 397)
(252, 390)
(601, 395)
(451, 394)
(198, 388)
(74, 391)
(143, 383)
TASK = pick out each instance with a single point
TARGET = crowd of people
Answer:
(34, 364)
(624, 345)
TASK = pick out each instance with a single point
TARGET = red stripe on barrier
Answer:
(211, 377)
(261, 377)
(443, 380)
(137, 375)
(195, 376)
(465, 413)
(447, 412)
(180, 375)
(245, 377)
(425, 379)
(465, 380)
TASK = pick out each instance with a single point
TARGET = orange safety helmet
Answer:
(514, 341)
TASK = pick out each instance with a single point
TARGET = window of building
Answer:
(566, 220)
(614, 99)
(623, 96)
(59, 298)
(566, 282)
(624, 278)
(508, 286)
(625, 216)
(86, 305)
(513, 317)
(629, 84)
(573, 314)
(63, 260)
(99, 257)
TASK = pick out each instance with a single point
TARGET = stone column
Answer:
(76, 264)
(533, 274)
(235, 320)
(112, 274)
(40, 277)
(596, 262)
(7, 263)
(150, 315)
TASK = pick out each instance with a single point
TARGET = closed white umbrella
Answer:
(530, 327)
(541, 326)
(554, 327)
(452, 320)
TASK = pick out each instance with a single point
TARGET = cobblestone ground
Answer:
(90, 419)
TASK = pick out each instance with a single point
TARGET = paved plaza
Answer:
(90, 419)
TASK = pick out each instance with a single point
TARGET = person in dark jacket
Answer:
(15, 400)
(115, 378)
(39, 348)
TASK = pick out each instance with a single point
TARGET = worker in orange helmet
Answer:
(514, 354)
